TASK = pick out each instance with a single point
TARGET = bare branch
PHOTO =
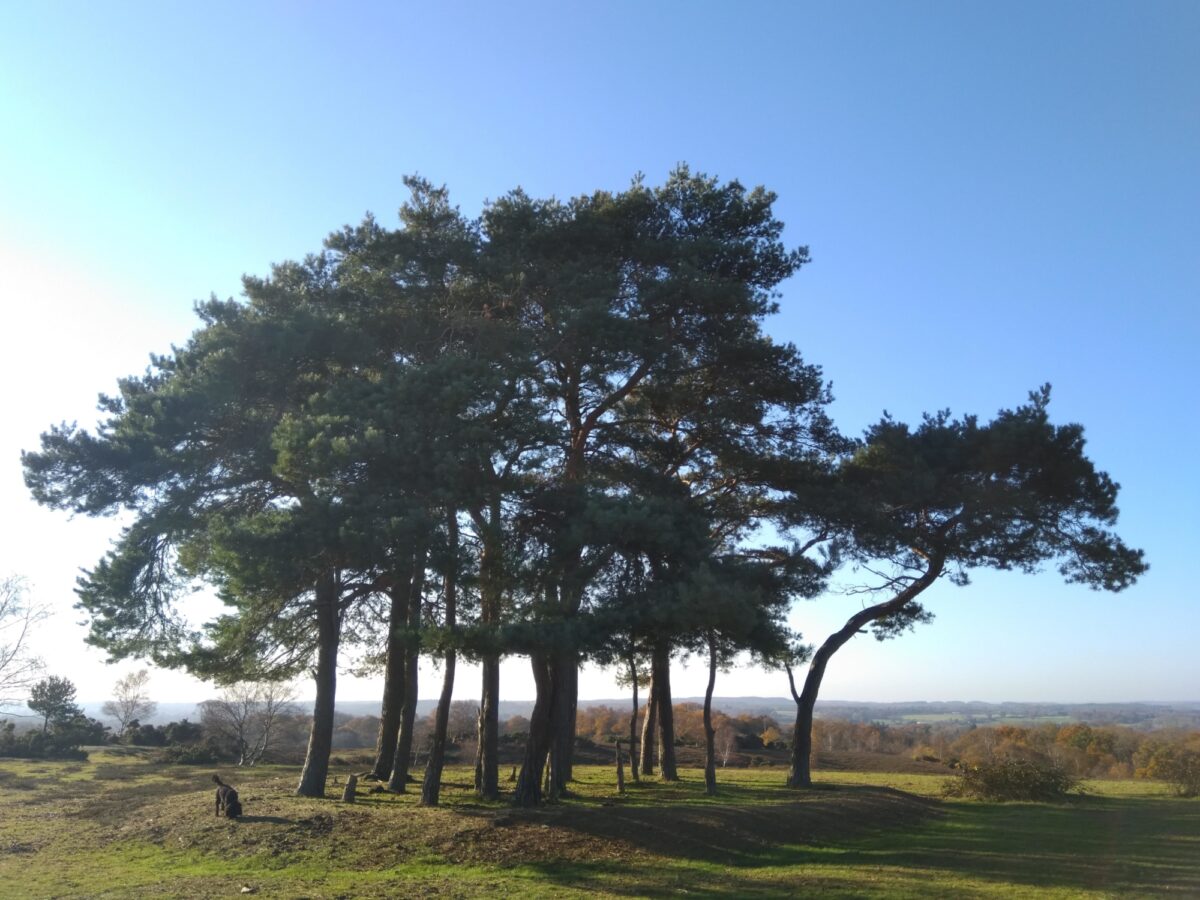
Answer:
(19, 668)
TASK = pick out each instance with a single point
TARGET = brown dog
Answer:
(227, 800)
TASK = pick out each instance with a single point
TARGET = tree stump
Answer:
(351, 786)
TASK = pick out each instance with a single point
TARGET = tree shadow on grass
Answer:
(1128, 846)
(901, 843)
(632, 880)
(731, 834)
(758, 834)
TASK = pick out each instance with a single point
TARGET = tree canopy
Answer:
(53, 698)
(557, 430)
(918, 504)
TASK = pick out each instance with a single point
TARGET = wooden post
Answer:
(620, 771)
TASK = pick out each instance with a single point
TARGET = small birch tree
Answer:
(132, 702)
(244, 716)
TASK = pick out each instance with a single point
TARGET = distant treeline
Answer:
(1082, 750)
(1137, 715)
(1144, 716)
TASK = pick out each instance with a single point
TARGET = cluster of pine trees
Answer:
(558, 431)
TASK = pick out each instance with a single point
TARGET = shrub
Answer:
(146, 736)
(61, 741)
(184, 732)
(191, 754)
(1176, 765)
(81, 730)
(36, 745)
(1012, 779)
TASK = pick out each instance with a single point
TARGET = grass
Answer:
(121, 825)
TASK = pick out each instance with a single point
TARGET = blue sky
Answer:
(994, 195)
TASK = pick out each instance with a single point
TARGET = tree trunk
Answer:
(491, 562)
(806, 700)
(393, 683)
(650, 727)
(412, 661)
(487, 759)
(661, 663)
(633, 717)
(566, 680)
(432, 786)
(564, 673)
(408, 721)
(572, 688)
(320, 736)
(529, 783)
(710, 743)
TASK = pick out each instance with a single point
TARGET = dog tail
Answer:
(218, 780)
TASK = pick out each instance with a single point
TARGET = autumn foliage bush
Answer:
(1177, 764)
(1013, 779)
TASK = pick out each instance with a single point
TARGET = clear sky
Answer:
(995, 196)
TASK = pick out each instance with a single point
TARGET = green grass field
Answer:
(121, 825)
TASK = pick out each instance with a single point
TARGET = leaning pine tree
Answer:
(952, 495)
